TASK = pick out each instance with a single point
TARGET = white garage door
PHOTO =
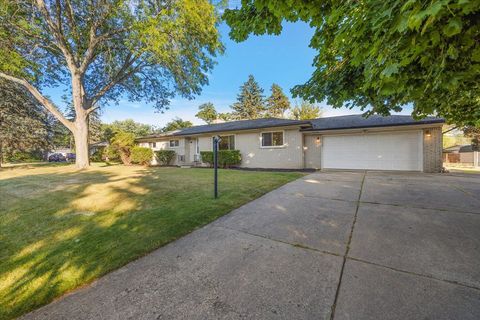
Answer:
(379, 151)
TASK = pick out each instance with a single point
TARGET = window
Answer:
(153, 144)
(174, 143)
(227, 143)
(272, 139)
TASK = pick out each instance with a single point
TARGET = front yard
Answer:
(61, 228)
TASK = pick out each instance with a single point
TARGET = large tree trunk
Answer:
(1, 153)
(80, 135)
(80, 132)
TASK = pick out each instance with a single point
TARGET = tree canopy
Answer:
(381, 55)
(278, 103)
(105, 50)
(250, 101)
(175, 124)
(127, 125)
(207, 112)
(305, 111)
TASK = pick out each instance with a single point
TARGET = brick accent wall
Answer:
(432, 150)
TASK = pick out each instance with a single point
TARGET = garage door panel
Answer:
(386, 151)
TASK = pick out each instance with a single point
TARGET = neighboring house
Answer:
(462, 155)
(98, 146)
(344, 142)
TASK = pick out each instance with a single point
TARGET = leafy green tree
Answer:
(23, 122)
(381, 55)
(207, 112)
(122, 144)
(250, 101)
(277, 103)
(306, 111)
(474, 134)
(176, 124)
(103, 50)
(225, 116)
(108, 130)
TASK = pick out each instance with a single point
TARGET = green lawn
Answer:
(61, 228)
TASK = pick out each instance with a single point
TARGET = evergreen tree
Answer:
(250, 101)
(23, 122)
(207, 112)
(306, 111)
(277, 103)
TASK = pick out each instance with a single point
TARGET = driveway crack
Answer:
(347, 249)
(297, 245)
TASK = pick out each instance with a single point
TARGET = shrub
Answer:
(226, 158)
(141, 155)
(110, 154)
(122, 143)
(24, 156)
(98, 155)
(165, 157)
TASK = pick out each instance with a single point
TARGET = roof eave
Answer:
(299, 124)
(439, 121)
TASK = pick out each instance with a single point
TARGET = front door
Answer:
(193, 146)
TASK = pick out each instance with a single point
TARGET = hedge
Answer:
(141, 155)
(165, 157)
(226, 158)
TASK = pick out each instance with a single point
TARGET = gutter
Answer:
(376, 126)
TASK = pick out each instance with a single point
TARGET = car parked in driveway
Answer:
(57, 157)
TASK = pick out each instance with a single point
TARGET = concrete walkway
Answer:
(334, 245)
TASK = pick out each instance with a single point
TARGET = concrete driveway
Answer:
(333, 245)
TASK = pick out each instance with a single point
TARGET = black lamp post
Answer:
(216, 141)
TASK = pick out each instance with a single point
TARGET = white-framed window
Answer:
(152, 144)
(174, 143)
(272, 139)
(227, 143)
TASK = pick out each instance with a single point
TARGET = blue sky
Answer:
(285, 59)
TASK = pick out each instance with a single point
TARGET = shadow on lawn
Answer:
(70, 240)
(61, 230)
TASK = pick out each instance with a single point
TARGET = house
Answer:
(97, 147)
(463, 155)
(346, 142)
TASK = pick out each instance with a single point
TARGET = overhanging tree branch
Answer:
(40, 98)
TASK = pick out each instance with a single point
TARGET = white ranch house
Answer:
(346, 142)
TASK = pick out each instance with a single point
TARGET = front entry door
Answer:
(193, 149)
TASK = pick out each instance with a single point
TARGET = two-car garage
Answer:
(396, 142)
(374, 151)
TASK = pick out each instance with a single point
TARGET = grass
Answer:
(61, 228)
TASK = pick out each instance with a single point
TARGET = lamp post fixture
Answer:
(216, 141)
